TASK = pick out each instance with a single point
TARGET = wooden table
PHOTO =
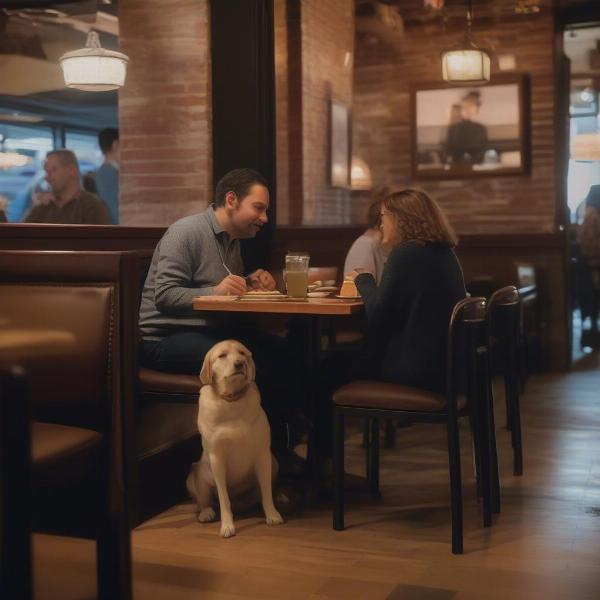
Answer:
(311, 309)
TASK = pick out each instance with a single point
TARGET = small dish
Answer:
(263, 298)
(326, 288)
(348, 297)
(318, 294)
(216, 298)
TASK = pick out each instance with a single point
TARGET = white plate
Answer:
(258, 298)
(216, 298)
(263, 295)
(318, 294)
(348, 297)
(326, 288)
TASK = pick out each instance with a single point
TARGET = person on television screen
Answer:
(467, 139)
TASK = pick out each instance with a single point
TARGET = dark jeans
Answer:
(276, 366)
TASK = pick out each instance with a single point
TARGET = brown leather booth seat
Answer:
(166, 432)
(170, 383)
(77, 393)
(95, 295)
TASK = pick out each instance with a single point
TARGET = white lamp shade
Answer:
(94, 73)
(10, 160)
(93, 68)
(470, 65)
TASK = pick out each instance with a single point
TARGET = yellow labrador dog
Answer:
(235, 437)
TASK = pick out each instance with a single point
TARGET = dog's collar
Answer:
(237, 395)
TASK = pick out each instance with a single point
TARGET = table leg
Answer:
(313, 350)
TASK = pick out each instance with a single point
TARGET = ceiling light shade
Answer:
(10, 160)
(467, 63)
(93, 68)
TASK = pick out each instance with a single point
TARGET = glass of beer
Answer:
(296, 274)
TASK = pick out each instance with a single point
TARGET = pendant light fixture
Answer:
(467, 63)
(93, 68)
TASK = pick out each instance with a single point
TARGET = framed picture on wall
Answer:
(470, 131)
(339, 136)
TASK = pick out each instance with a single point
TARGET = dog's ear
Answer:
(206, 371)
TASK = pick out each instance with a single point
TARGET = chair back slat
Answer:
(466, 333)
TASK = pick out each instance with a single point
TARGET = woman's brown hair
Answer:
(419, 218)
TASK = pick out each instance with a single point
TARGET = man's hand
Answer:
(261, 280)
(232, 285)
(42, 198)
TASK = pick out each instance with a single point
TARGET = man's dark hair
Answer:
(238, 181)
(106, 138)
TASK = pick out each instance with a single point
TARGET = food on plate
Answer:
(348, 289)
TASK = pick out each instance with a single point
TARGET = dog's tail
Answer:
(190, 482)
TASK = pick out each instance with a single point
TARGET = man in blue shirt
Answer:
(107, 175)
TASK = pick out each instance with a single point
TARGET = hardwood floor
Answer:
(545, 543)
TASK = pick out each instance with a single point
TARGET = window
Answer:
(24, 148)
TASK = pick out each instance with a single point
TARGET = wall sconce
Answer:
(467, 63)
(360, 174)
(93, 68)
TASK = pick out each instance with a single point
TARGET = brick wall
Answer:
(281, 111)
(327, 35)
(164, 110)
(382, 78)
(312, 38)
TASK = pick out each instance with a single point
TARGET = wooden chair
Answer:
(504, 312)
(467, 363)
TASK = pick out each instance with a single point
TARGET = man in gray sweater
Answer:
(200, 255)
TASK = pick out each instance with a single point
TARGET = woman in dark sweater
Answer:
(408, 314)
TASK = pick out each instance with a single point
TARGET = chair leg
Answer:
(509, 408)
(338, 469)
(495, 471)
(476, 453)
(484, 447)
(517, 442)
(455, 486)
(113, 544)
(389, 438)
(373, 458)
(113, 552)
(15, 486)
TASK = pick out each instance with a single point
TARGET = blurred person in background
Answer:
(107, 175)
(367, 252)
(588, 236)
(67, 202)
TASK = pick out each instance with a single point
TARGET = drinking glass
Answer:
(296, 274)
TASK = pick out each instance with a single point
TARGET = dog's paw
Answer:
(207, 515)
(227, 530)
(274, 519)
